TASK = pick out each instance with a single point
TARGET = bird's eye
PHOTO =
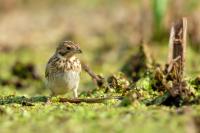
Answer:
(68, 48)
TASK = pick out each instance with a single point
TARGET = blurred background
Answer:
(108, 31)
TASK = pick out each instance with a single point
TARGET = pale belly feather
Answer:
(61, 83)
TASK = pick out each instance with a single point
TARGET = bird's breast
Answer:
(71, 76)
(66, 80)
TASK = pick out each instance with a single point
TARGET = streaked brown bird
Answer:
(63, 69)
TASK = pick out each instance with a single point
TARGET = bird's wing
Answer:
(46, 71)
(50, 65)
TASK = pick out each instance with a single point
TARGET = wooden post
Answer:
(177, 44)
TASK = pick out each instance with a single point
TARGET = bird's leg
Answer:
(75, 93)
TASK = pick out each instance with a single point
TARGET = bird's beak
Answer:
(79, 51)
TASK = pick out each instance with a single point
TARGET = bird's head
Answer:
(68, 49)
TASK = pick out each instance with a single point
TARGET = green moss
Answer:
(141, 110)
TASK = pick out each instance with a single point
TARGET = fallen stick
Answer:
(90, 100)
(38, 99)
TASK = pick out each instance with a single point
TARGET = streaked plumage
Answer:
(63, 69)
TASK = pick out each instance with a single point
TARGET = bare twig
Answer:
(171, 64)
(89, 100)
(97, 78)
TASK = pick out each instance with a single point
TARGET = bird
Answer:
(63, 69)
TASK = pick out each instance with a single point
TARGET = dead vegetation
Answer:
(138, 63)
(169, 81)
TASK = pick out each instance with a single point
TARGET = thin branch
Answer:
(97, 78)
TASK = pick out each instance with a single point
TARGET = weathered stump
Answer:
(177, 44)
(176, 59)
